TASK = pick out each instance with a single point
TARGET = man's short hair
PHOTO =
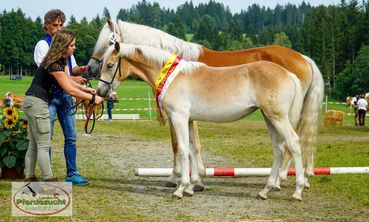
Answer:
(53, 15)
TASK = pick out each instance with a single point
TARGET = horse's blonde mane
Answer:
(152, 54)
(144, 35)
(136, 34)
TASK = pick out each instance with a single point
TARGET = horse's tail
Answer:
(307, 127)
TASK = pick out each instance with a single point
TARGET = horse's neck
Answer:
(144, 35)
(145, 71)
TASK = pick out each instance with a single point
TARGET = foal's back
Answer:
(224, 94)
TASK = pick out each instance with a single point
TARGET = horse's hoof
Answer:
(178, 195)
(262, 195)
(277, 188)
(170, 184)
(307, 185)
(297, 197)
(188, 193)
(199, 188)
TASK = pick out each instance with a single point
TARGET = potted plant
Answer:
(13, 143)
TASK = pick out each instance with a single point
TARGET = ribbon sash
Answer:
(166, 76)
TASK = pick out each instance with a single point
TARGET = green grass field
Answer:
(247, 143)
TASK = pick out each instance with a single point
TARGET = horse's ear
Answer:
(110, 23)
(139, 51)
(117, 47)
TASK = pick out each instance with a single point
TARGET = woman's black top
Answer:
(43, 82)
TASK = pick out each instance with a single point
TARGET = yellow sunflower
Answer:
(24, 124)
(15, 133)
(7, 139)
(9, 123)
(9, 111)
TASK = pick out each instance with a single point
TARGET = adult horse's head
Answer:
(108, 36)
(114, 70)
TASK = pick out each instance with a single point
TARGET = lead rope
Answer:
(91, 113)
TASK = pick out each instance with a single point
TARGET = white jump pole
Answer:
(239, 172)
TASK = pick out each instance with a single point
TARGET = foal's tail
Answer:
(297, 104)
(307, 127)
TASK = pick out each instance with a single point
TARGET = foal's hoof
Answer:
(170, 184)
(296, 197)
(178, 195)
(199, 187)
(307, 185)
(262, 195)
(188, 193)
(277, 188)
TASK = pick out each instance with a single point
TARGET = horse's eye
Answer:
(110, 65)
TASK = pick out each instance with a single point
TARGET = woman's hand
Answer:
(98, 99)
(90, 90)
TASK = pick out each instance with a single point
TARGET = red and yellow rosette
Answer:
(161, 83)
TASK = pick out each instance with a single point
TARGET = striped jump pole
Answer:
(242, 172)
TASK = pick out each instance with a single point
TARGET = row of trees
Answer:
(336, 37)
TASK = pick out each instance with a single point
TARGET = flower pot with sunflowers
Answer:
(13, 143)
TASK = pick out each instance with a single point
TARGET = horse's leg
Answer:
(356, 116)
(172, 180)
(285, 129)
(180, 125)
(197, 145)
(195, 178)
(277, 143)
(199, 186)
(283, 171)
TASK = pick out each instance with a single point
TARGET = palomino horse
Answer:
(304, 68)
(351, 103)
(189, 91)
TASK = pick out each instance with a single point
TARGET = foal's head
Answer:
(115, 69)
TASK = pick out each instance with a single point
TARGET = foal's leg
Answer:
(285, 129)
(197, 144)
(195, 178)
(199, 186)
(277, 143)
(180, 125)
(172, 180)
(283, 171)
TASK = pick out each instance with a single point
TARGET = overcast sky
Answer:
(91, 8)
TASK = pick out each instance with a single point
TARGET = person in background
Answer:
(110, 106)
(62, 104)
(9, 99)
(52, 72)
(362, 106)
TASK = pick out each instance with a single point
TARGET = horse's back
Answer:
(285, 57)
(239, 90)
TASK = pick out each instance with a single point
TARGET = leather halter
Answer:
(115, 73)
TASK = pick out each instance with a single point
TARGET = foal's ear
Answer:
(117, 47)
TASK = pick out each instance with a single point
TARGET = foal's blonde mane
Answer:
(151, 54)
(131, 33)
